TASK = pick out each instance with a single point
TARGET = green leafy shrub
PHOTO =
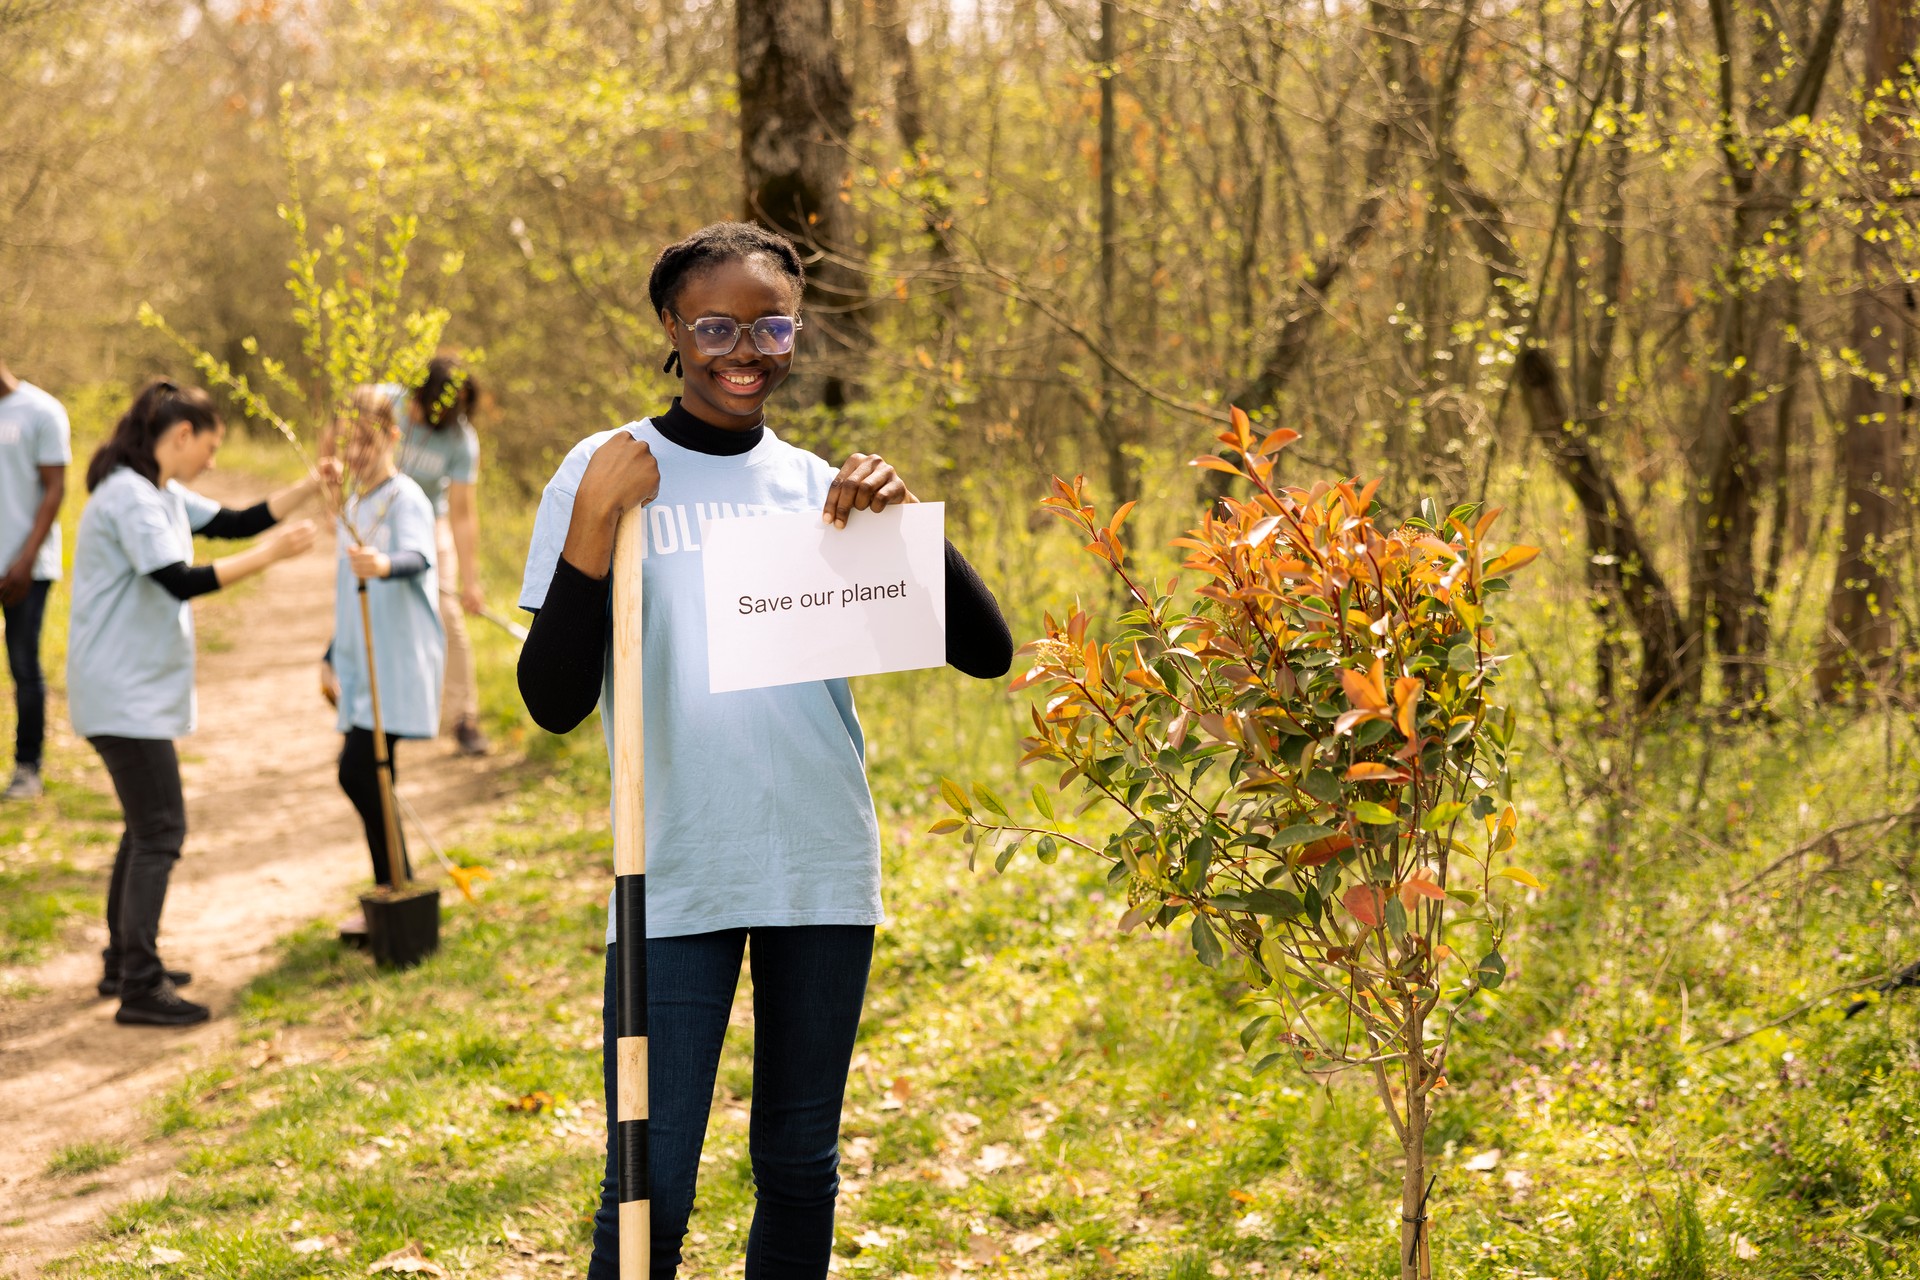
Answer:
(1306, 768)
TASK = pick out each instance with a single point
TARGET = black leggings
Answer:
(146, 778)
(360, 779)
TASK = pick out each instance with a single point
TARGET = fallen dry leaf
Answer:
(1485, 1162)
(161, 1256)
(410, 1259)
(312, 1244)
(996, 1156)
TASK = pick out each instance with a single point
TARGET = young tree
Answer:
(1305, 770)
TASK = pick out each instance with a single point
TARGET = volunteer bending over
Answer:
(130, 654)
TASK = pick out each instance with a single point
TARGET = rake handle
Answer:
(630, 901)
(382, 766)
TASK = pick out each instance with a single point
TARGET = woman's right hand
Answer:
(291, 539)
(621, 475)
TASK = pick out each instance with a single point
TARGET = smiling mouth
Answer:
(742, 381)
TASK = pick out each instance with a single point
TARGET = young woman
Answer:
(761, 834)
(386, 539)
(440, 451)
(130, 654)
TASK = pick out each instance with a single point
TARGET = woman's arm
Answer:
(248, 522)
(281, 544)
(565, 654)
(979, 642)
(463, 513)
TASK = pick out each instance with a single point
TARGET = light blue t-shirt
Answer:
(435, 459)
(409, 647)
(33, 434)
(758, 811)
(130, 642)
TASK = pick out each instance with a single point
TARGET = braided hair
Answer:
(708, 247)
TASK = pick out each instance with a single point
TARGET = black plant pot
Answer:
(402, 929)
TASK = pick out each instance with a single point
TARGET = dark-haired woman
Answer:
(761, 835)
(440, 452)
(130, 655)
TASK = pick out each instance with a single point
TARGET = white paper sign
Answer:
(790, 598)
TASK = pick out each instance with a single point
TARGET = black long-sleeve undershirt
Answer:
(184, 581)
(245, 523)
(564, 658)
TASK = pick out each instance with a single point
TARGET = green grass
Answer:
(85, 1157)
(1034, 1092)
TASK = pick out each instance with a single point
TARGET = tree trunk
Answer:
(1415, 1250)
(1613, 541)
(796, 114)
(1726, 588)
(1858, 644)
(1121, 483)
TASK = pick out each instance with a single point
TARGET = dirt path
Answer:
(271, 844)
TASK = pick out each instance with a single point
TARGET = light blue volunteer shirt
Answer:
(130, 642)
(33, 434)
(435, 459)
(409, 648)
(758, 811)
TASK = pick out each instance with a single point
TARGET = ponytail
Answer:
(160, 404)
(448, 394)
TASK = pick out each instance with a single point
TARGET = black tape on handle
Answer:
(630, 982)
(635, 1179)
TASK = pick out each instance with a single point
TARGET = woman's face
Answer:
(185, 453)
(731, 390)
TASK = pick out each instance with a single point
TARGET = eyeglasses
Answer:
(717, 335)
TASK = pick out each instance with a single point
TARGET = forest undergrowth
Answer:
(1666, 1088)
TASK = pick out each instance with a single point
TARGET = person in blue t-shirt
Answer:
(386, 539)
(440, 451)
(761, 834)
(34, 452)
(130, 654)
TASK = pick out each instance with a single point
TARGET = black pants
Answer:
(360, 779)
(23, 660)
(146, 777)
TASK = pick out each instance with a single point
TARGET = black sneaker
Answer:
(469, 739)
(161, 1007)
(110, 984)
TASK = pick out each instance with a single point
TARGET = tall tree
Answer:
(1726, 597)
(1113, 435)
(796, 119)
(1859, 637)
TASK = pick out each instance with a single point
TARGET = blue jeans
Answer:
(23, 660)
(806, 1010)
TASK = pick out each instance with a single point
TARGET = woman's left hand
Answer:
(473, 599)
(867, 482)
